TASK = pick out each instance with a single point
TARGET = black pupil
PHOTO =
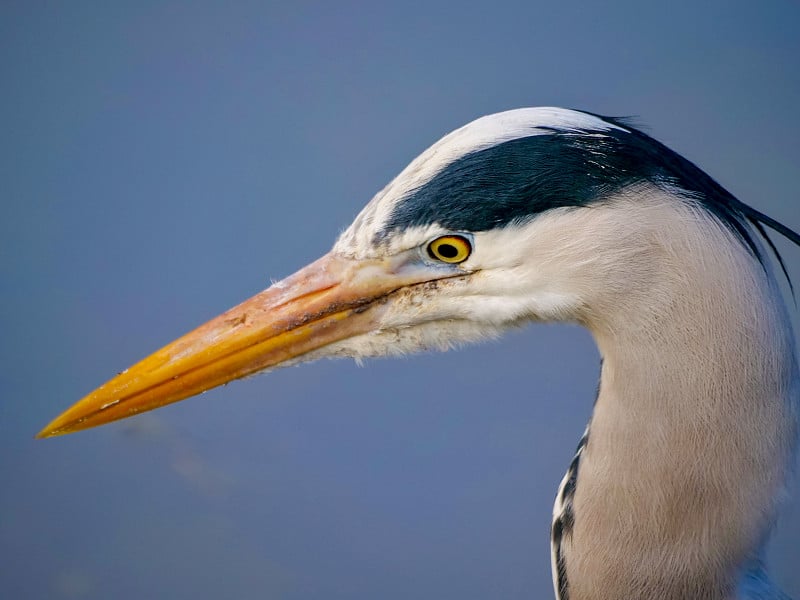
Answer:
(448, 250)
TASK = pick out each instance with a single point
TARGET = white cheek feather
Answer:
(515, 280)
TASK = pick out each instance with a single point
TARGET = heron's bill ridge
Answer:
(330, 300)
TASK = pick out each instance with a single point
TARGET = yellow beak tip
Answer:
(49, 432)
(61, 425)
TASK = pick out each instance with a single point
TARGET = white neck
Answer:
(693, 430)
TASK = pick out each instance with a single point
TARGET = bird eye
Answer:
(451, 249)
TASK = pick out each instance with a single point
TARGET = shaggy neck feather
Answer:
(693, 429)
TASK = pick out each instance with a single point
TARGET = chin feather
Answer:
(426, 337)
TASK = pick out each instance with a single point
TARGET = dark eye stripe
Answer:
(518, 179)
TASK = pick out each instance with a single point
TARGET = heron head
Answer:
(491, 227)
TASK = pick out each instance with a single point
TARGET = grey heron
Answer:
(548, 214)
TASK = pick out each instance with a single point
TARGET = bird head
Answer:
(493, 226)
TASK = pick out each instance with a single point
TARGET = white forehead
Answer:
(480, 134)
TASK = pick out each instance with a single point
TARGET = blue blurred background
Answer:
(160, 161)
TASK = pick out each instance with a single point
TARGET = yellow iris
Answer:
(450, 249)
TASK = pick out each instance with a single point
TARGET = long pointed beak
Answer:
(329, 300)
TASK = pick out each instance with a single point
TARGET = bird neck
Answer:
(692, 434)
